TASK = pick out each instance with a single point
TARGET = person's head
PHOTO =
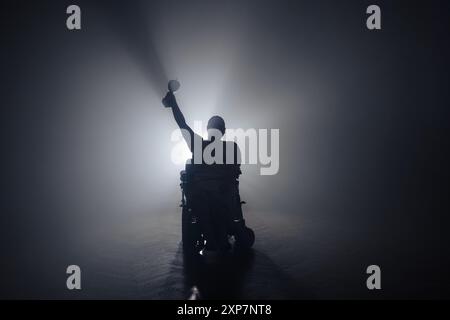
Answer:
(216, 123)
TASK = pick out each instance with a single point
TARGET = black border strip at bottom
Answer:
(267, 309)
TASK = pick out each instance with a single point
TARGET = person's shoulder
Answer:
(232, 144)
(233, 148)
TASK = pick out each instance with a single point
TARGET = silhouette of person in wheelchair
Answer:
(212, 208)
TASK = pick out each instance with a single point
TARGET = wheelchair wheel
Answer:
(245, 238)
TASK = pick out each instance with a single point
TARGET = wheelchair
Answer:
(193, 237)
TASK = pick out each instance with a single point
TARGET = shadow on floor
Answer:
(244, 275)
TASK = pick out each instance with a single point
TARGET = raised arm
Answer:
(169, 101)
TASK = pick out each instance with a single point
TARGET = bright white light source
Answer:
(180, 153)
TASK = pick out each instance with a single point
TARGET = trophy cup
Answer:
(172, 86)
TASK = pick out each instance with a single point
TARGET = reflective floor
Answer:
(293, 258)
